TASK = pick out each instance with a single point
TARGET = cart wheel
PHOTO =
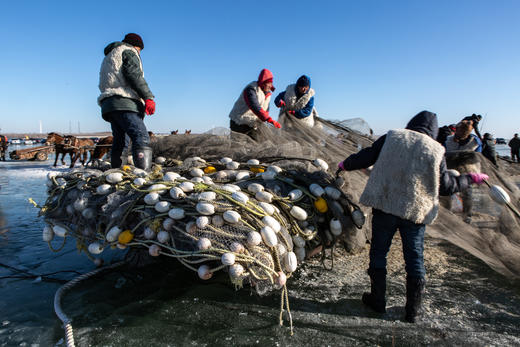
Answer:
(41, 156)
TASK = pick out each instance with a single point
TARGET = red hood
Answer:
(265, 76)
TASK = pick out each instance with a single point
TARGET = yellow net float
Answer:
(321, 205)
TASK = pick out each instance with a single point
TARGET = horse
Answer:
(174, 132)
(57, 140)
(187, 132)
(79, 148)
(3, 146)
(102, 148)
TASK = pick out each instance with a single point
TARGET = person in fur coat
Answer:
(403, 190)
(297, 101)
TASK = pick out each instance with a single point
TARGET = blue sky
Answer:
(380, 60)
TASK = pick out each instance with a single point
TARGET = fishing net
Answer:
(258, 209)
(493, 231)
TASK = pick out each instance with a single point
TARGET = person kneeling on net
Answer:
(403, 189)
(252, 106)
(125, 98)
(297, 101)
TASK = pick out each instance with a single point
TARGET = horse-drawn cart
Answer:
(40, 153)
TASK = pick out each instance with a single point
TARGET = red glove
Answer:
(263, 115)
(478, 178)
(281, 103)
(291, 112)
(273, 122)
(149, 107)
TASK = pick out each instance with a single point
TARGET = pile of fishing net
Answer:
(256, 209)
(255, 220)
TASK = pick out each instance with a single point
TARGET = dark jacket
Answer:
(474, 119)
(424, 122)
(514, 143)
(488, 148)
(444, 132)
(131, 69)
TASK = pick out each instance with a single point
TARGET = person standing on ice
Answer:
(125, 98)
(514, 143)
(297, 101)
(403, 190)
(252, 106)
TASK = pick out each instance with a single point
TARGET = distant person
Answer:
(403, 191)
(125, 98)
(297, 101)
(514, 143)
(444, 132)
(488, 148)
(4, 144)
(463, 139)
(474, 119)
(252, 106)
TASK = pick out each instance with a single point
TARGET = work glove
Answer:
(291, 112)
(478, 178)
(281, 104)
(275, 123)
(149, 107)
(263, 115)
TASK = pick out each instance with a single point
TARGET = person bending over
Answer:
(403, 190)
(252, 106)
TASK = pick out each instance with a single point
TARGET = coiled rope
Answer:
(69, 335)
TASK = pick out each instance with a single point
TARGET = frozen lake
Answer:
(167, 305)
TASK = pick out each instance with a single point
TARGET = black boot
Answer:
(142, 158)
(376, 298)
(414, 292)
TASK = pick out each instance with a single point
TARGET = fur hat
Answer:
(464, 129)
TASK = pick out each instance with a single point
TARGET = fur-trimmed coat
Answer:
(293, 103)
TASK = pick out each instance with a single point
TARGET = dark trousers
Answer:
(384, 226)
(127, 125)
(514, 154)
(244, 129)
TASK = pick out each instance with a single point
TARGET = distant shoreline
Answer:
(44, 135)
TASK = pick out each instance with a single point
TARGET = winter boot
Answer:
(142, 158)
(376, 298)
(414, 292)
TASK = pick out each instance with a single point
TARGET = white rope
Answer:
(69, 334)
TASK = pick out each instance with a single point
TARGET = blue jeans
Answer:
(126, 125)
(384, 226)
